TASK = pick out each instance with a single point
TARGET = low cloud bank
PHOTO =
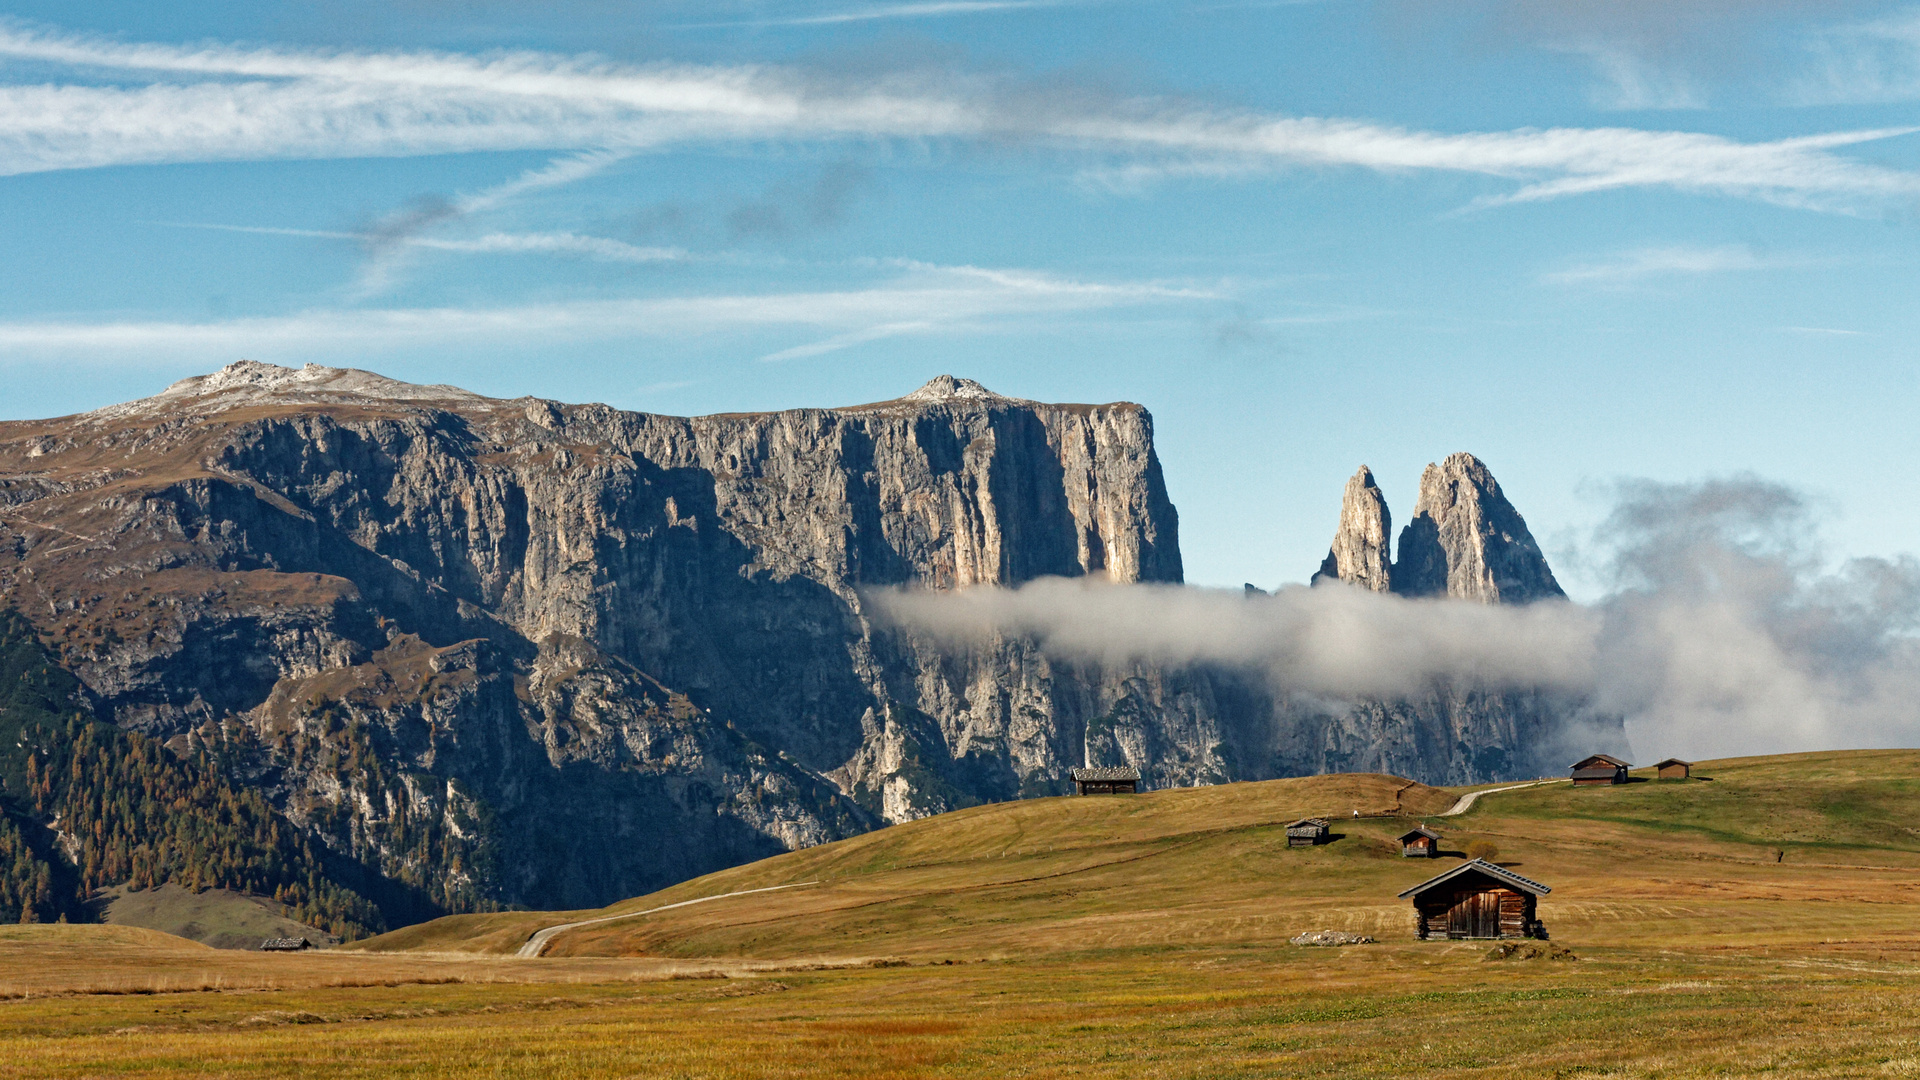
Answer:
(1723, 634)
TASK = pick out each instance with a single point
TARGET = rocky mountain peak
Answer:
(947, 387)
(1360, 554)
(1468, 542)
(250, 382)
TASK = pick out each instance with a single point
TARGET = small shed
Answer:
(1420, 843)
(1477, 900)
(1675, 769)
(1307, 832)
(285, 944)
(1106, 780)
(1600, 769)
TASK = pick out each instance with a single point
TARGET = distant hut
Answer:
(1675, 769)
(1420, 843)
(1307, 832)
(1477, 900)
(1107, 780)
(1600, 769)
(285, 944)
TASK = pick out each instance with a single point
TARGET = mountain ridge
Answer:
(513, 651)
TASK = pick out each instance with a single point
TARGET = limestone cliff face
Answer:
(1467, 541)
(493, 651)
(1360, 554)
(561, 654)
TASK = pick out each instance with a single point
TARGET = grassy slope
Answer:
(221, 918)
(1701, 860)
(987, 878)
(1761, 923)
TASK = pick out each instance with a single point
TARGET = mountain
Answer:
(1466, 542)
(477, 652)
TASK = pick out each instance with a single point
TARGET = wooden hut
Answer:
(1106, 780)
(1420, 843)
(1477, 900)
(1675, 769)
(1307, 832)
(1600, 769)
(285, 944)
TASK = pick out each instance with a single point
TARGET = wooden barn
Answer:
(1307, 832)
(1477, 900)
(1106, 780)
(1675, 769)
(285, 944)
(1421, 843)
(1600, 769)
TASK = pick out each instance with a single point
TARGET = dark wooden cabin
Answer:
(1675, 769)
(1307, 832)
(1477, 900)
(285, 944)
(1106, 780)
(1600, 769)
(1421, 843)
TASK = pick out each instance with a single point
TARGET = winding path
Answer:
(537, 944)
(1466, 801)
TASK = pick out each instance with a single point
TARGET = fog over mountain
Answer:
(1723, 632)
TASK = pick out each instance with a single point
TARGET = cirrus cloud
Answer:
(224, 103)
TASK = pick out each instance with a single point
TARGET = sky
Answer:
(1596, 245)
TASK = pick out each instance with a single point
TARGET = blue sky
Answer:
(1585, 242)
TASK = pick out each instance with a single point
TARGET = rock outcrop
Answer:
(1361, 546)
(1467, 541)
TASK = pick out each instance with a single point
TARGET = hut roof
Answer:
(1421, 830)
(1309, 823)
(1480, 866)
(1672, 761)
(1606, 758)
(1107, 772)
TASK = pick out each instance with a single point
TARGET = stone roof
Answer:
(1420, 830)
(1308, 823)
(1498, 873)
(1107, 772)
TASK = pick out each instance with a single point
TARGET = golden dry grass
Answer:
(1761, 923)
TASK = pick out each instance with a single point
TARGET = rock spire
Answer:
(1360, 554)
(1467, 541)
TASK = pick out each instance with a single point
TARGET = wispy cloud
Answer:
(1872, 61)
(1629, 267)
(543, 243)
(931, 10)
(1633, 81)
(256, 104)
(848, 341)
(950, 299)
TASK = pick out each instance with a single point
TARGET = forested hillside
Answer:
(87, 805)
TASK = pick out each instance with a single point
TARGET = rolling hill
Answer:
(1781, 851)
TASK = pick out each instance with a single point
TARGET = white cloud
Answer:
(1724, 635)
(1629, 267)
(950, 299)
(928, 10)
(1634, 82)
(267, 103)
(1873, 61)
(848, 341)
(542, 243)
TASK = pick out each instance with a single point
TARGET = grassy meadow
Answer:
(1761, 921)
